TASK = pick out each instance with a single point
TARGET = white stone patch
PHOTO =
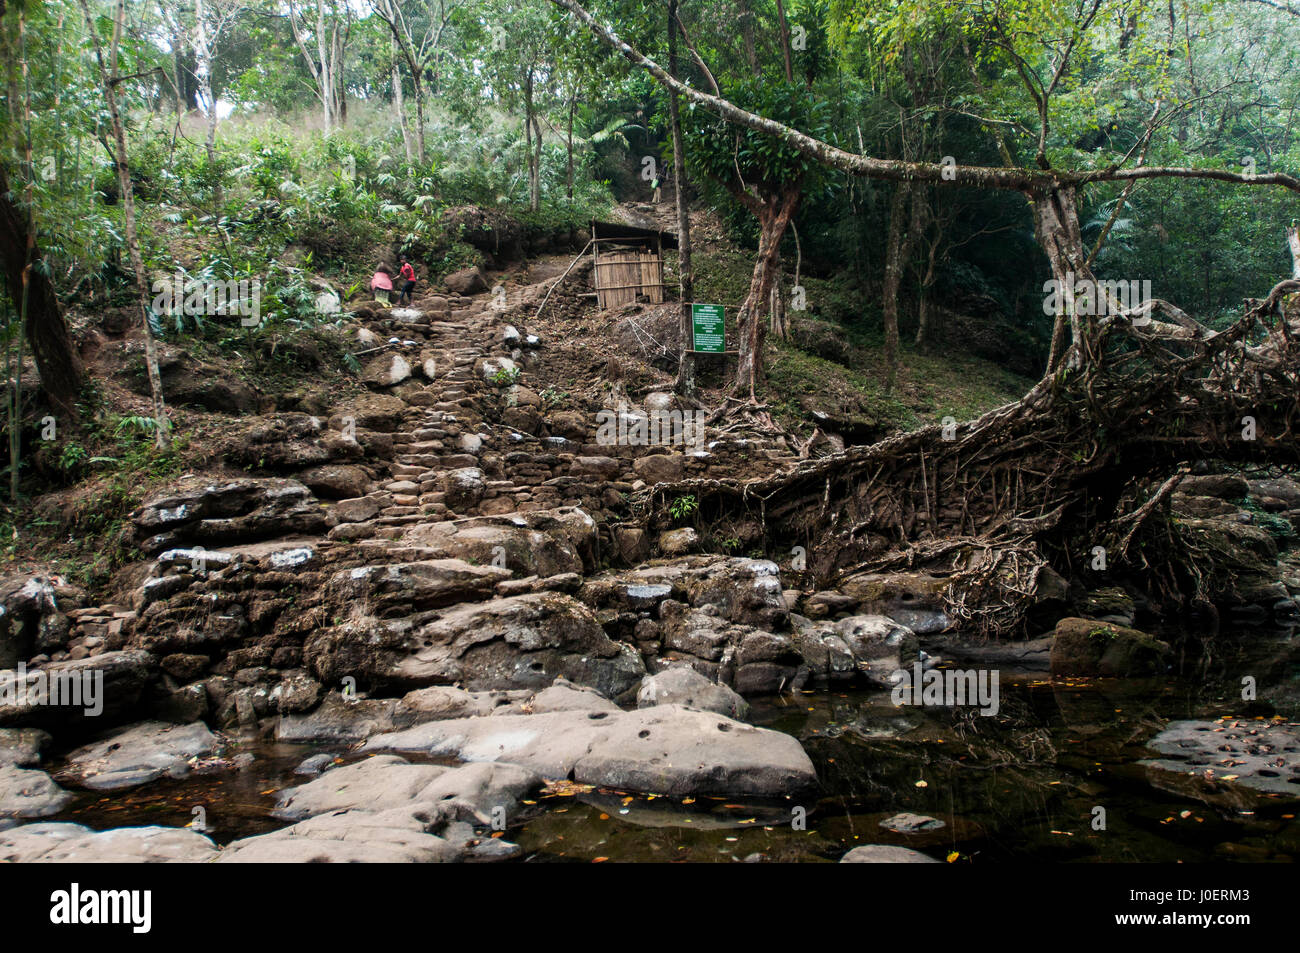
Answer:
(289, 558)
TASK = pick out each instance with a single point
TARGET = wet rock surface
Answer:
(666, 749)
(1261, 756)
(140, 754)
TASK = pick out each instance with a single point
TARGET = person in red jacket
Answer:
(407, 274)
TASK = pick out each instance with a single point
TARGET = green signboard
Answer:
(708, 329)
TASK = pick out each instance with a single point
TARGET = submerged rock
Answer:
(1261, 756)
(22, 746)
(907, 823)
(885, 854)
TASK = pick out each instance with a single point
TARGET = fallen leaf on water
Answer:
(922, 784)
(953, 856)
(599, 860)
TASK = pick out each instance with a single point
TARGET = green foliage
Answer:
(505, 377)
(683, 506)
(745, 158)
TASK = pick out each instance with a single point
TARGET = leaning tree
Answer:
(1131, 397)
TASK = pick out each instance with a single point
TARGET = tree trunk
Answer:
(340, 78)
(203, 52)
(1056, 223)
(568, 145)
(57, 361)
(108, 78)
(898, 250)
(400, 105)
(532, 146)
(1293, 242)
(418, 86)
(774, 219)
(785, 41)
(923, 319)
(745, 16)
(685, 383)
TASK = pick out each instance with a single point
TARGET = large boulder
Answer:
(463, 488)
(386, 370)
(91, 691)
(752, 661)
(491, 231)
(467, 281)
(33, 615)
(427, 833)
(286, 441)
(667, 750)
(1088, 647)
(873, 647)
(381, 413)
(1230, 754)
(913, 599)
(336, 481)
(401, 588)
(885, 854)
(682, 685)
(747, 591)
(383, 782)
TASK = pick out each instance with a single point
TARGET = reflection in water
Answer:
(1025, 785)
(1029, 784)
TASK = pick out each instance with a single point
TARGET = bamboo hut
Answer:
(629, 264)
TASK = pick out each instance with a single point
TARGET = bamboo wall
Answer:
(624, 274)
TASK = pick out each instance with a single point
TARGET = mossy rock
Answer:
(1088, 647)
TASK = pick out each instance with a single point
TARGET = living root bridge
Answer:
(1083, 460)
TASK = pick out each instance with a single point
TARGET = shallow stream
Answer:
(1024, 785)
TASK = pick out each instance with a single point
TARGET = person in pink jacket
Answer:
(381, 283)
